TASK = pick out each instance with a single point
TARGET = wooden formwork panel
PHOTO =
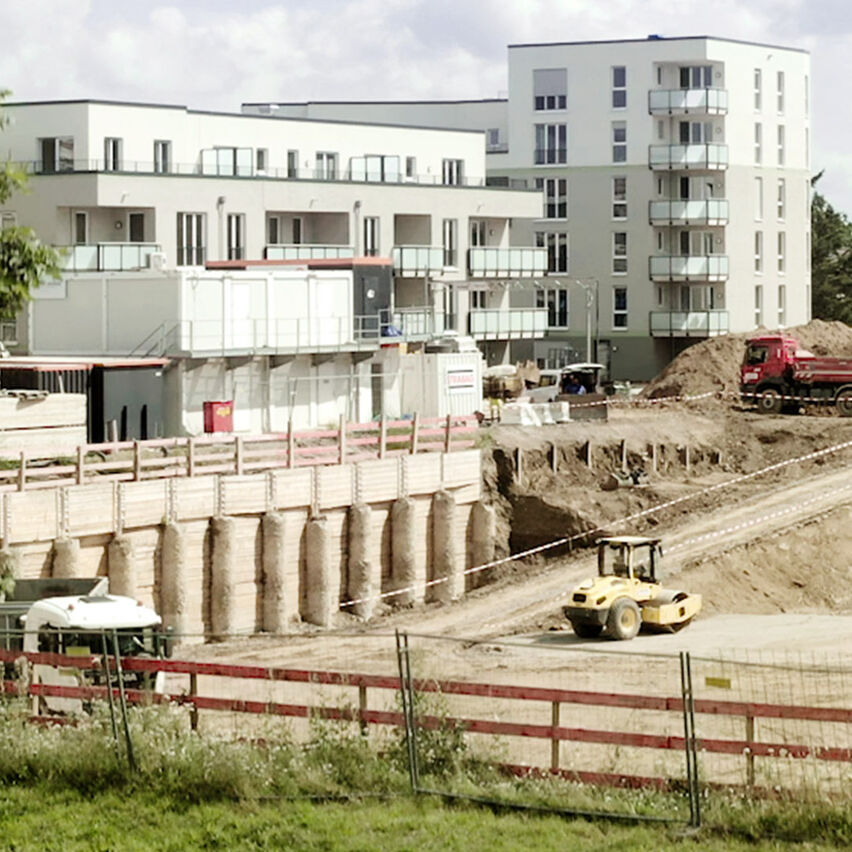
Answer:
(292, 488)
(244, 495)
(334, 486)
(90, 509)
(467, 493)
(423, 473)
(462, 468)
(92, 556)
(195, 497)
(248, 567)
(31, 516)
(422, 540)
(35, 559)
(294, 530)
(144, 504)
(146, 554)
(197, 544)
(378, 480)
(379, 546)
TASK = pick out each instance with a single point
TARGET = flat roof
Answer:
(54, 363)
(654, 38)
(396, 102)
(307, 263)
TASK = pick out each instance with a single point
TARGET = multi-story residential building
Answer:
(138, 195)
(676, 183)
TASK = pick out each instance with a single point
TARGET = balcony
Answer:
(688, 323)
(306, 251)
(711, 211)
(412, 323)
(508, 324)
(707, 157)
(506, 262)
(684, 101)
(109, 257)
(417, 261)
(713, 267)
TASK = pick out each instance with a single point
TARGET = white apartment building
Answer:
(676, 181)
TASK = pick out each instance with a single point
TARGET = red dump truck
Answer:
(777, 376)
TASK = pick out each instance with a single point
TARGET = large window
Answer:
(758, 251)
(781, 200)
(57, 154)
(619, 307)
(551, 143)
(162, 156)
(81, 227)
(619, 253)
(478, 231)
(758, 199)
(452, 172)
(780, 91)
(782, 304)
(375, 168)
(758, 304)
(619, 141)
(236, 225)
(292, 164)
(550, 88)
(781, 140)
(758, 90)
(371, 236)
(619, 87)
(450, 232)
(112, 154)
(555, 198)
(556, 301)
(191, 239)
(782, 252)
(758, 143)
(326, 168)
(619, 198)
(696, 77)
(557, 250)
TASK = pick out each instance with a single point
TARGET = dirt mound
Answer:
(714, 364)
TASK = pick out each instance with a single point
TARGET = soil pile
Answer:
(714, 364)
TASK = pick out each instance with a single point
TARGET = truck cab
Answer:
(766, 359)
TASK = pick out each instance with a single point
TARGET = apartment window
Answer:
(619, 253)
(478, 299)
(758, 304)
(619, 198)
(81, 228)
(758, 90)
(374, 168)
(557, 250)
(619, 307)
(619, 87)
(782, 304)
(492, 137)
(136, 227)
(371, 236)
(696, 77)
(557, 302)
(296, 230)
(550, 89)
(261, 157)
(450, 233)
(781, 139)
(112, 154)
(551, 142)
(478, 230)
(236, 225)
(758, 199)
(162, 156)
(57, 154)
(227, 161)
(452, 172)
(326, 168)
(780, 91)
(781, 202)
(758, 251)
(273, 230)
(555, 198)
(782, 252)
(191, 239)
(411, 167)
(619, 141)
(292, 164)
(758, 143)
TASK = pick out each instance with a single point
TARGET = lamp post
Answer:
(590, 287)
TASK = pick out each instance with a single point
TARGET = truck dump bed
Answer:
(834, 370)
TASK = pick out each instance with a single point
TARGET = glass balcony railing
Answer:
(508, 324)
(699, 156)
(504, 262)
(713, 267)
(688, 323)
(417, 261)
(108, 257)
(306, 251)
(678, 101)
(710, 211)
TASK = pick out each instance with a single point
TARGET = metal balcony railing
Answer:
(710, 211)
(306, 251)
(677, 101)
(417, 261)
(486, 262)
(108, 257)
(686, 156)
(713, 267)
(688, 323)
(507, 324)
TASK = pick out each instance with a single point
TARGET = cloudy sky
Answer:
(215, 54)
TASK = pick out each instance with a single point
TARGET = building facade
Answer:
(676, 182)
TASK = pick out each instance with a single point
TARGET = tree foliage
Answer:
(24, 260)
(831, 260)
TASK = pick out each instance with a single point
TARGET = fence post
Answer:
(22, 473)
(689, 739)
(554, 743)
(81, 461)
(291, 444)
(447, 433)
(341, 435)
(415, 423)
(190, 457)
(749, 755)
(383, 436)
(238, 455)
(554, 457)
(362, 708)
(193, 709)
(137, 462)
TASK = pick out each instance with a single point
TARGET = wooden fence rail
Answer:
(239, 454)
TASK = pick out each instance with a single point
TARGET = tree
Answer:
(831, 260)
(24, 260)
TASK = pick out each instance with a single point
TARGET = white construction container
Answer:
(438, 384)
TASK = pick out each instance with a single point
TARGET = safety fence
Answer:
(555, 708)
(238, 454)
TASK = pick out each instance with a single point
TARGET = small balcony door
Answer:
(136, 227)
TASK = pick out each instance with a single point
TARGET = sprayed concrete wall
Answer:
(239, 554)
